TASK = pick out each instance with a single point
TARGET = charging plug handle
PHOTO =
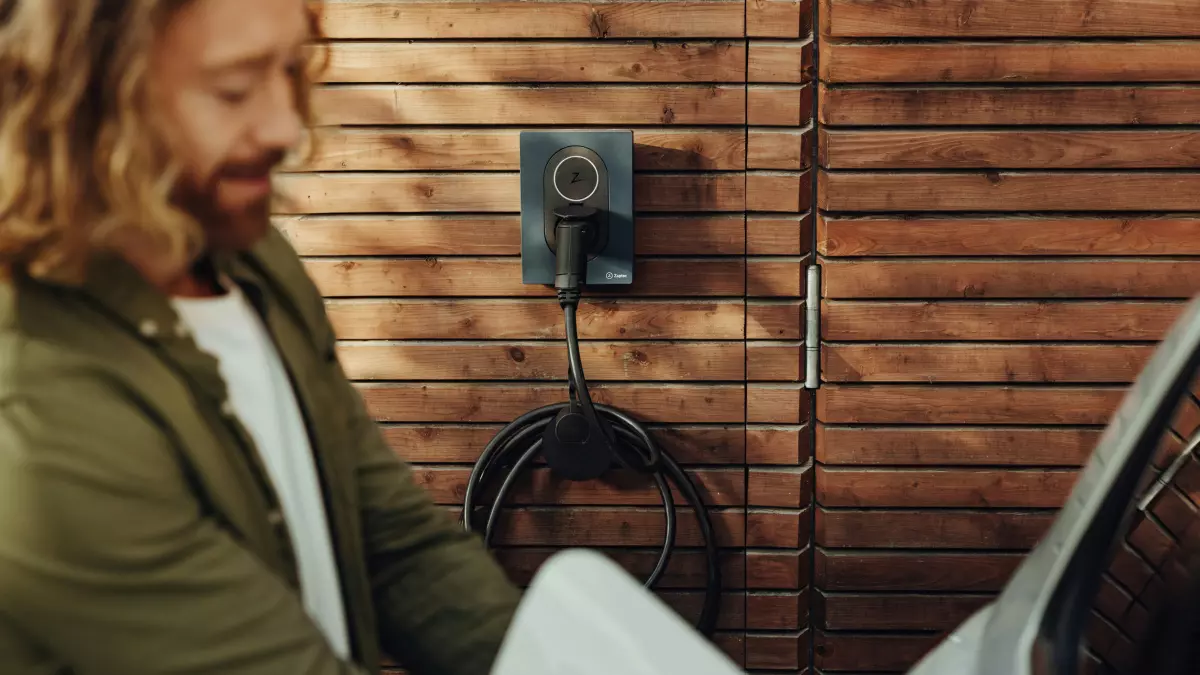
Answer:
(572, 234)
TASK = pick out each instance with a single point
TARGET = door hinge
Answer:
(812, 328)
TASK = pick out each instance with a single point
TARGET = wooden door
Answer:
(408, 220)
(1007, 223)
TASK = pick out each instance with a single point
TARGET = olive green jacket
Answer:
(138, 532)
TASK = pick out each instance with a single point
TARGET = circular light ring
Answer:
(595, 186)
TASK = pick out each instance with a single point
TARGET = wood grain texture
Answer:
(314, 193)
(497, 360)
(1012, 18)
(880, 236)
(778, 149)
(487, 62)
(970, 362)
(954, 446)
(685, 571)
(1010, 62)
(943, 488)
(483, 277)
(781, 62)
(873, 571)
(539, 487)
(778, 105)
(442, 443)
(501, 319)
(1116, 278)
(1009, 191)
(530, 105)
(778, 234)
(870, 653)
(500, 19)
(490, 402)
(778, 18)
(610, 526)
(1006, 106)
(938, 529)
(500, 234)
(928, 404)
(1097, 320)
(1009, 149)
(774, 320)
(391, 149)
(845, 611)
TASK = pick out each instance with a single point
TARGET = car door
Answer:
(1112, 586)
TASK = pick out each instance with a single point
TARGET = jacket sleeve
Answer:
(443, 602)
(106, 560)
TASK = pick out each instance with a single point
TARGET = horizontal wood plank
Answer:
(610, 526)
(966, 362)
(399, 19)
(487, 62)
(493, 105)
(494, 360)
(931, 404)
(778, 18)
(779, 234)
(1012, 18)
(441, 234)
(394, 277)
(774, 361)
(941, 488)
(686, 569)
(787, 445)
(1009, 149)
(779, 62)
(437, 402)
(778, 105)
(1001, 321)
(1009, 191)
(540, 487)
(463, 443)
(771, 148)
(774, 320)
(409, 319)
(875, 653)
(390, 149)
(880, 236)
(1003, 106)
(875, 571)
(314, 193)
(846, 611)
(951, 446)
(940, 529)
(1010, 62)
(1117, 278)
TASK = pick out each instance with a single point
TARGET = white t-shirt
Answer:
(228, 328)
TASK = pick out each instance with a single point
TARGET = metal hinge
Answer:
(812, 328)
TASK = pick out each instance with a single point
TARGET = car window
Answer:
(1146, 610)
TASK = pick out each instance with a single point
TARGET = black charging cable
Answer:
(581, 440)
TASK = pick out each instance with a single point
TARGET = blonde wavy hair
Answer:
(79, 172)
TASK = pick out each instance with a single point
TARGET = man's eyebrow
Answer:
(257, 61)
(251, 62)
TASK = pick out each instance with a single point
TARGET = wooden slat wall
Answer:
(1007, 223)
(407, 217)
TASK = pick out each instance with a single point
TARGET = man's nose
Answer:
(279, 124)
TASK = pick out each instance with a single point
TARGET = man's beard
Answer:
(228, 229)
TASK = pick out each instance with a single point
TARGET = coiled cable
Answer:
(515, 447)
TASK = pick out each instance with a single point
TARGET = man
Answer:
(188, 483)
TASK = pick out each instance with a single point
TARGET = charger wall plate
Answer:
(592, 169)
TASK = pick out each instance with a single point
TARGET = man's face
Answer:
(222, 77)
